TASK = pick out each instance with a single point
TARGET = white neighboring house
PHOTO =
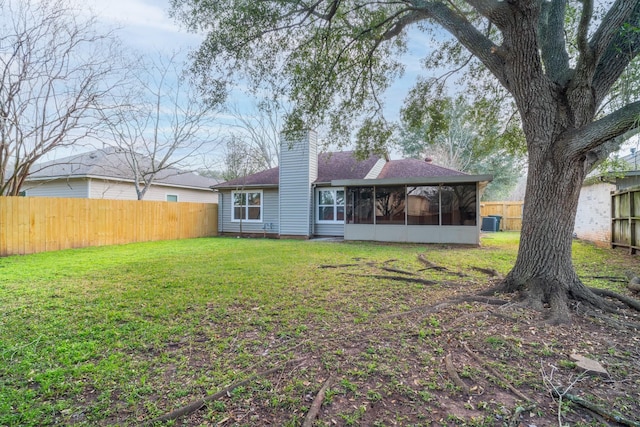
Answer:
(105, 174)
(593, 216)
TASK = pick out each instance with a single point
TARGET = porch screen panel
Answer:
(390, 204)
(458, 204)
(423, 205)
(360, 205)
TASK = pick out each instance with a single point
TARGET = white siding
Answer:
(593, 216)
(102, 189)
(270, 215)
(298, 169)
(73, 188)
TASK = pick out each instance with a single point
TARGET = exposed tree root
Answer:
(337, 265)
(429, 264)
(317, 404)
(496, 374)
(399, 278)
(194, 406)
(488, 271)
(597, 409)
(397, 270)
(451, 371)
(633, 303)
(614, 323)
(608, 278)
(430, 309)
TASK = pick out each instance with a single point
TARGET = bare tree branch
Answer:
(54, 70)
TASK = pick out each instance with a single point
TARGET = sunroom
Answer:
(420, 210)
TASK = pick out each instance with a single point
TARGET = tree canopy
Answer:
(472, 138)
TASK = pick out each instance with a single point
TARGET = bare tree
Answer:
(241, 158)
(54, 70)
(260, 129)
(161, 124)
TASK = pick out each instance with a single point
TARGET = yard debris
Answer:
(317, 403)
(597, 409)
(496, 374)
(590, 366)
(194, 406)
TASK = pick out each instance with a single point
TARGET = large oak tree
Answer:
(559, 60)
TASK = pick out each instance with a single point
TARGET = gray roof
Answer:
(111, 164)
(344, 166)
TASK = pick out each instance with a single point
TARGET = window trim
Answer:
(166, 198)
(334, 191)
(246, 206)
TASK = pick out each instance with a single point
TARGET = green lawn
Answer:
(122, 334)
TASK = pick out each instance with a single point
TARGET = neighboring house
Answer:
(105, 174)
(334, 194)
(593, 216)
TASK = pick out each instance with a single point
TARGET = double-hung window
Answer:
(247, 206)
(331, 205)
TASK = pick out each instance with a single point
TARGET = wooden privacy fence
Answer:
(625, 216)
(511, 213)
(39, 224)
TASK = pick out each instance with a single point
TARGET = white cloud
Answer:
(143, 24)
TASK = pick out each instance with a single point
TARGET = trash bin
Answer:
(489, 223)
(498, 218)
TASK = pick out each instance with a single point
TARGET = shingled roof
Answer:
(332, 165)
(110, 164)
(343, 165)
(413, 168)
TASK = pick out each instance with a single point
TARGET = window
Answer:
(331, 205)
(247, 206)
(172, 197)
(390, 205)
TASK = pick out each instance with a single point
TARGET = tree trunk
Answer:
(544, 272)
